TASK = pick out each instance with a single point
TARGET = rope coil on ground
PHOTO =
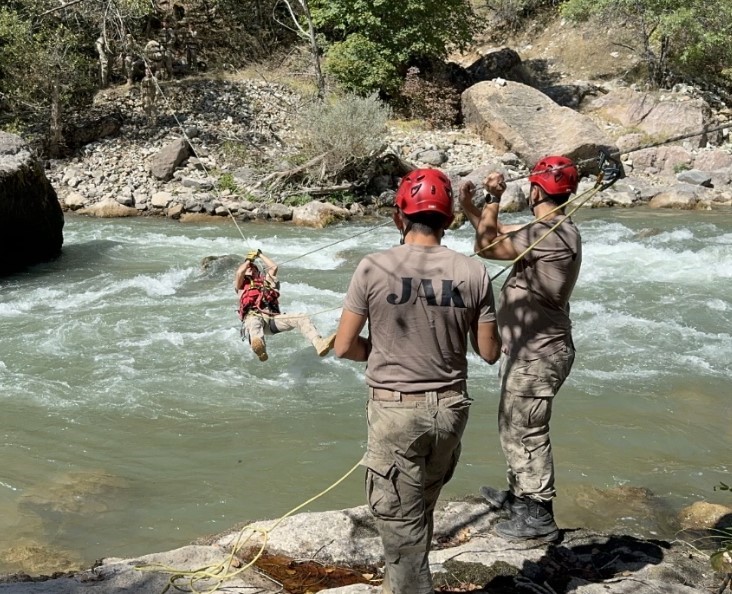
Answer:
(221, 572)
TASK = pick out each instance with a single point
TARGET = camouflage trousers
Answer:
(527, 394)
(413, 449)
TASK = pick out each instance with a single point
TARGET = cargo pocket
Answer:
(381, 491)
(453, 464)
(531, 412)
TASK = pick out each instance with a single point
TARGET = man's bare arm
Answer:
(349, 344)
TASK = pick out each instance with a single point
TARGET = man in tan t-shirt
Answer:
(421, 301)
(538, 352)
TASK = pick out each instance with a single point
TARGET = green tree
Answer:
(42, 72)
(48, 63)
(371, 43)
(689, 36)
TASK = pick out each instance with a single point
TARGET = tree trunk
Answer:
(56, 132)
(315, 51)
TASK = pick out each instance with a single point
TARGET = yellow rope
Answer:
(592, 191)
(587, 195)
(222, 571)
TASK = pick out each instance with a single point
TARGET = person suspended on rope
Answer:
(422, 302)
(259, 308)
(538, 352)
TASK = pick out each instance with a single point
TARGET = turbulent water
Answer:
(134, 419)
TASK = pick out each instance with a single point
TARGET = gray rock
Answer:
(161, 199)
(657, 115)
(280, 212)
(681, 196)
(523, 120)
(168, 158)
(469, 553)
(197, 184)
(695, 178)
(318, 214)
(431, 157)
(31, 219)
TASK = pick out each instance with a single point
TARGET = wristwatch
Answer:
(491, 199)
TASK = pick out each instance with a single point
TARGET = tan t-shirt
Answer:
(533, 307)
(421, 302)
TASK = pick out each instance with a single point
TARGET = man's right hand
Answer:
(466, 192)
(252, 255)
(495, 184)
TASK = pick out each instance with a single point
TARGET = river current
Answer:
(134, 418)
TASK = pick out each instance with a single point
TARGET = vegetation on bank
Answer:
(50, 64)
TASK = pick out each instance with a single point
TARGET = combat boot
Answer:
(537, 524)
(259, 348)
(504, 501)
(324, 345)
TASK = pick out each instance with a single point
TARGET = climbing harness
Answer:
(258, 296)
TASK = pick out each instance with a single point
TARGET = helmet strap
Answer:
(404, 231)
(402, 223)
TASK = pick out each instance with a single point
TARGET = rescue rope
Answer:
(222, 572)
(505, 236)
(589, 194)
(579, 165)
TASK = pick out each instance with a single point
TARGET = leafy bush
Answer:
(361, 66)
(689, 36)
(515, 12)
(342, 134)
(227, 182)
(297, 200)
(235, 152)
(371, 44)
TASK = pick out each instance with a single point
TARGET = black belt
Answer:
(395, 396)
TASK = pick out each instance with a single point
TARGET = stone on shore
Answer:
(107, 209)
(466, 556)
(518, 118)
(318, 214)
(31, 219)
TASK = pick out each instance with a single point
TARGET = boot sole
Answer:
(259, 349)
(325, 348)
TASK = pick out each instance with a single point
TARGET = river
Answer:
(134, 419)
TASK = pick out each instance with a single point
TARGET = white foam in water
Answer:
(717, 305)
(140, 335)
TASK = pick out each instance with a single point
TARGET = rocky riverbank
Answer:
(340, 552)
(208, 154)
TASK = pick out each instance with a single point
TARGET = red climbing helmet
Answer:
(555, 175)
(425, 190)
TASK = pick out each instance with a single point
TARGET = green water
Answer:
(135, 420)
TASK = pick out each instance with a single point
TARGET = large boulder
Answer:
(487, 64)
(517, 118)
(659, 116)
(31, 219)
(92, 129)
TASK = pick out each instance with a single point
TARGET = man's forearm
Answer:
(472, 213)
(487, 227)
(358, 350)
